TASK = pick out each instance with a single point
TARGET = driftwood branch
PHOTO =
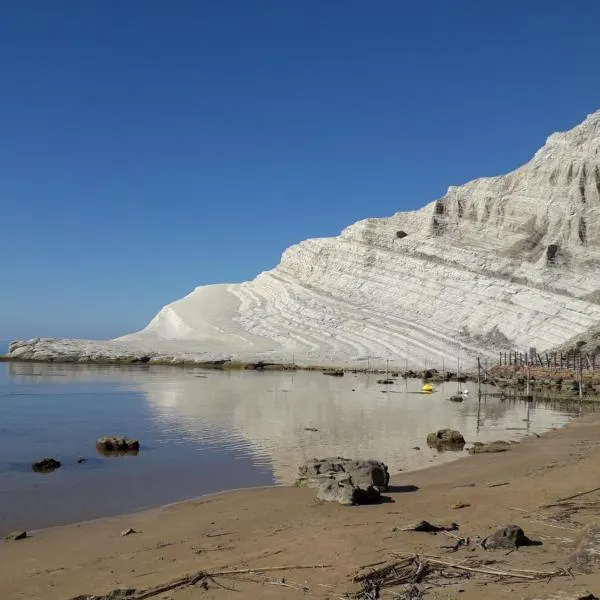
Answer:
(596, 489)
(413, 571)
(437, 560)
(205, 576)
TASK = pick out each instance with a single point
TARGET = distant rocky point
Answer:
(499, 263)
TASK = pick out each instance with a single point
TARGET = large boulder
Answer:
(347, 494)
(357, 473)
(45, 465)
(117, 444)
(446, 439)
(586, 556)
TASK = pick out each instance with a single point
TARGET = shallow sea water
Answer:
(208, 431)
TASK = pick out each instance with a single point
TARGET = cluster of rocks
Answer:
(108, 445)
(345, 480)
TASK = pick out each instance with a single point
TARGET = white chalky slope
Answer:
(503, 262)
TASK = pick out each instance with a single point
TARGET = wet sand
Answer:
(286, 526)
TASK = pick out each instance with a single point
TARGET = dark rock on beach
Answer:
(345, 480)
(45, 465)
(508, 537)
(15, 535)
(363, 473)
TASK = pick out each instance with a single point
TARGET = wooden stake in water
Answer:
(580, 378)
(479, 376)
(458, 374)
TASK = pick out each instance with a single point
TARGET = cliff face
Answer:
(503, 262)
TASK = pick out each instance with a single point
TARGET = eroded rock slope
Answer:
(500, 263)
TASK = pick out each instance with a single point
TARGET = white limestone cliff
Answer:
(499, 263)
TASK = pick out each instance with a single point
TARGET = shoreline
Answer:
(501, 377)
(246, 527)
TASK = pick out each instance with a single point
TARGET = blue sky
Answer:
(148, 147)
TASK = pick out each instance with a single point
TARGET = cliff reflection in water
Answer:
(268, 413)
(264, 415)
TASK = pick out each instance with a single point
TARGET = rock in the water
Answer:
(506, 538)
(117, 444)
(498, 446)
(45, 465)
(81, 459)
(586, 557)
(13, 536)
(446, 439)
(347, 494)
(358, 473)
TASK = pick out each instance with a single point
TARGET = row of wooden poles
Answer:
(556, 360)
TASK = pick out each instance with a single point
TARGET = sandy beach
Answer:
(287, 527)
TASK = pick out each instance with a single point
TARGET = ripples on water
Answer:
(207, 431)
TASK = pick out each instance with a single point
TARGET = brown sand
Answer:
(286, 526)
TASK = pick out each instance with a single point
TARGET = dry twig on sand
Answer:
(204, 577)
(409, 570)
(596, 489)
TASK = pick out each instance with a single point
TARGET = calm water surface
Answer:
(207, 431)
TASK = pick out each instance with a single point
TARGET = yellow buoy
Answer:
(427, 387)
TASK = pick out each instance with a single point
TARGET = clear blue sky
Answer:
(148, 147)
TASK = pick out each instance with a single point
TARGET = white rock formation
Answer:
(499, 263)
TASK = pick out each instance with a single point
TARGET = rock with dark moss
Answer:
(117, 444)
(446, 439)
(358, 473)
(45, 465)
(13, 536)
